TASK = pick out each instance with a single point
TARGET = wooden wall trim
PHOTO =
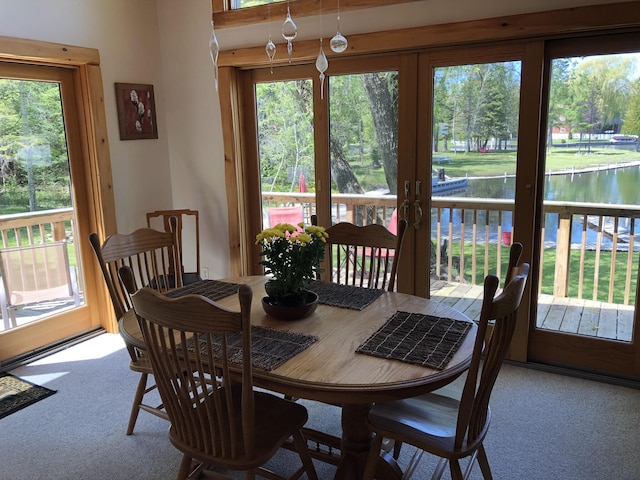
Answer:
(229, 109)
(85, 63)
(566, 21)
(35, 51)
(227, 18)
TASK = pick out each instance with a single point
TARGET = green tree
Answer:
(33, 150)
(631, 125)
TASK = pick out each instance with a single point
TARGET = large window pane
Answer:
(589, 264)
(285, 142)
(475, 112)
(363, 117)
(40, 268)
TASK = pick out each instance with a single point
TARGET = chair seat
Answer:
(428, 420)
(276, 420)
(142, 364)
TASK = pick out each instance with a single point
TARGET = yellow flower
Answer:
(292, 256)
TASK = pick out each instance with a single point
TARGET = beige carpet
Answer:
(545, 426)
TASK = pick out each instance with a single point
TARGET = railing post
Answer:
(58, 231)
(563, 254)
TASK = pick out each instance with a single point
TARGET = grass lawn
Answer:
(548, 271)
(496, 163)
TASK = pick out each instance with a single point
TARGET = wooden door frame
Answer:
(551, 347)
(88, 140)
(532, 29)
(246, 170)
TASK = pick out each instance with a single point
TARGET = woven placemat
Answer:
(270, 348)
(212, 289)
(417, 338)
(344, 296)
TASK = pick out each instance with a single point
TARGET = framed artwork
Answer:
(136, 111)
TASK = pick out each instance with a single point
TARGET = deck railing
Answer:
(36, 228)
(585, 243)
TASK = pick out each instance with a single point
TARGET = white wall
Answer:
(165, 43)
(126, 34)
(193, 123)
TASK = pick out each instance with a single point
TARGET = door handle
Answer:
(418, 214)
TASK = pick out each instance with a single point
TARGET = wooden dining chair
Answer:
(292, 215)
(515, 252)
(363, 256)
(151, 255)
(217, 420)
(187, 225)
(447, 427)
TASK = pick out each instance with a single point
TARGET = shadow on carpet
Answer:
(16, 394)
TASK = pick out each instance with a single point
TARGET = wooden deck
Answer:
(583, 317)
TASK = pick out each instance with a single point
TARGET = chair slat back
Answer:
(187, 225)
(503, 310)
(364, 256)
(209, 413)
(149, 253)
(515, 252)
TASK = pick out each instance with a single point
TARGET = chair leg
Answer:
(137, 400)
(413, 464)
(397, 446)
(372, 460)
(185, 467)
(456, 471)
(484, 463)
(439, 470)
(303, 451)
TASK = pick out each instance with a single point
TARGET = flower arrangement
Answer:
(292, 257)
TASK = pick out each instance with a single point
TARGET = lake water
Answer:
(614, 186)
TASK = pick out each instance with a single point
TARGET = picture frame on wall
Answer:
(136, 111)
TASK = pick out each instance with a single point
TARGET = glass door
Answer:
(42, 286)
(590, 228)
(331, 153)
(467, 159)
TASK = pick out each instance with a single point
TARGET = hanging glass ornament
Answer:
(214, 50)
(270, 48)
(321, 65)
(338, 43)
(289, 32)
(271, 52)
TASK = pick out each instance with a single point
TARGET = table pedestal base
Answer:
(356, 442)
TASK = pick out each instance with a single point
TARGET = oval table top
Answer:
(330, 370)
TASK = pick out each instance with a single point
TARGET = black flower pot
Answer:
(288, 311)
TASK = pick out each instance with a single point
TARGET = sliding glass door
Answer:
(587, 293)
(42, 285)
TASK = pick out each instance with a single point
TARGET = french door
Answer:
(328, 148)
(468, 173)
(43, 160)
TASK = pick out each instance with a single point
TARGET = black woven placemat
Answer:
(417, 338)
(344, 296)
(212, 289)
(270, 348)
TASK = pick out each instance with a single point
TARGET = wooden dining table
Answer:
(331, 371)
